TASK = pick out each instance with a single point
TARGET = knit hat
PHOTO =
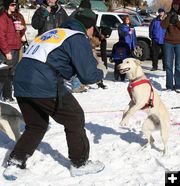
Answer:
(176, 2)
(7, 3)
(161, 10)
(85, 4)
(87, 17)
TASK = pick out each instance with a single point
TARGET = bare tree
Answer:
(166, 4)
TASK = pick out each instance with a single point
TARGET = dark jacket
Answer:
(123, 32)
(37, 80)
(43, 21)
(156, 32)
(120, 51)
(10, 39)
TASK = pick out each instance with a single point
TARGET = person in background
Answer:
(11, 32)
(127, 33)
(157, 34)
(83, 4)
(40, 91)
(24, 41)
(103, 46)
(120, 51)
(48, 16)
(104, 33)
(172, 46)
(95, 42)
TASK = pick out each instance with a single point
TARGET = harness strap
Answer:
(132, 84)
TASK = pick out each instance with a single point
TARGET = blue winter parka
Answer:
(36, 79)
(130, 39)
(156, 32)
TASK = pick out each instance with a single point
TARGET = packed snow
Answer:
(119, 148)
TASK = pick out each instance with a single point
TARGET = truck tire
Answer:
(142, 51)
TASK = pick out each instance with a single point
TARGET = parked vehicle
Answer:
(113, 19)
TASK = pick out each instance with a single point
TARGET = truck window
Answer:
(109, 21)
(134, 19)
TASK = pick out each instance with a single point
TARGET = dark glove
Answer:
(101, 85)
(174, 19)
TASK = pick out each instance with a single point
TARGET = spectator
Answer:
(40, 91)
(120, 52)
(24, 41)
(48, 16)
(83, 5)
(95, 42)
(157, 34)
(127, 33)
(104, 33)
(172, 46)
(11, 32)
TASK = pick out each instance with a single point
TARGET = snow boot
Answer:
(14, 169)
(89, 167)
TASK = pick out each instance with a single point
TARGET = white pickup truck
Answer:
(107, 19)
(113, 19)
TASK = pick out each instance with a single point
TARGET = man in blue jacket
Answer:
(157, 34)
(56, 55)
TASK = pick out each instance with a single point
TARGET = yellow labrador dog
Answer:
(144, 96)
(10, 119)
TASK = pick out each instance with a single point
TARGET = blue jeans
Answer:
(171, 51)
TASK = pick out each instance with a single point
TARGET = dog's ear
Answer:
(137, 61)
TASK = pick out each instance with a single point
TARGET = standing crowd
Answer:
(63, 50)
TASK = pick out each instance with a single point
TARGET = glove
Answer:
(102, 67)
(174, 19)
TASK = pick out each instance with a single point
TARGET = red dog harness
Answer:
(132, 84)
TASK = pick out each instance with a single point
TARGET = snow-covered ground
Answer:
(119, 148)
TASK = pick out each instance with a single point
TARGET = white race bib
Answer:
(42, 45)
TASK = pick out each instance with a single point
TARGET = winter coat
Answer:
(10, 39)
(43, 21)
(156, 32)
(172, 31)
(130, 39)
(37, 80)
(120, 52)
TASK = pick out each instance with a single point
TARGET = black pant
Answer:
(156, 48)
(6, 75)
(6, 83)
(103, 46)
(36, 114)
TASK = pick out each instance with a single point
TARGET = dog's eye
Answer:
(127, 61)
